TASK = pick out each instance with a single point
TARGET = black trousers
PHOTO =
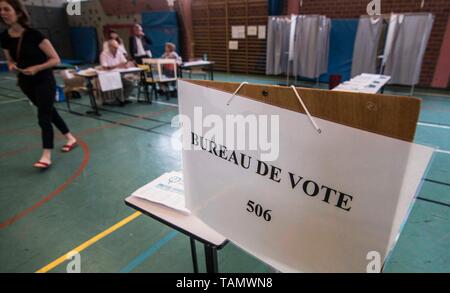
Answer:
(42, 95)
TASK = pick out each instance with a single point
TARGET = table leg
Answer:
(143, 82)
(211, 71)
(68, 102)
(194, 255)
(211, 259)
(92, 99)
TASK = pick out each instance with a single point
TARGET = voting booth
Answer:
(326, 185)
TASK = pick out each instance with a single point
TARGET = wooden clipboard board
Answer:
(388, 115)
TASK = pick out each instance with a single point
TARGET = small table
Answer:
(364, 83)
(199, 64)
(189, 225)
(90, 75)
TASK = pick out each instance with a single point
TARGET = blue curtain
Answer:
(342, 40)
(276, 7)
(161, 27)
(84, 44)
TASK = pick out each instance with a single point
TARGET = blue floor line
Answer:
(148, 253)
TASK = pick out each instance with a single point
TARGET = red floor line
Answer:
(18, 151)
(54, 193)
(62, 187)
(19, 130)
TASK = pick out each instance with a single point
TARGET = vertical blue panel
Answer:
(84, 43)
(161, 27)
(276, 7)
(342, 40)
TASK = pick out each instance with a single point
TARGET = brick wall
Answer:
(355, 8)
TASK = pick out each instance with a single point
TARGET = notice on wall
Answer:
(252, 30)
(261, 32)
(327, 202)
(233, 45)
(238, 32)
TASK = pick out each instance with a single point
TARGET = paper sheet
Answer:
(167, 190)
(261, 32)
(238, 32)
(88, 72)
(110, 81)
(233, 45)
(252, 30)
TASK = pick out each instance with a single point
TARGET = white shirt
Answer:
(121, 48)
(107, 59)
(140, 48)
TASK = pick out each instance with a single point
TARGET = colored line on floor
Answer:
(443, 152)
(10, 97)
(119, 122)
(437, 182)
(149, 252)
(434, 201)
(143, 116)
(436, 125)
(166, 104)
(89, 130)
(55, 192)
(13, 101)
(9, 78)
(19, 150)
(88, 243)
(11, 89)
(30, 128)
(116, 123)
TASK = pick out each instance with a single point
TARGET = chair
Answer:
(146, 80)
(74, 86)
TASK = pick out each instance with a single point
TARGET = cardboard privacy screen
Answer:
(296, 199)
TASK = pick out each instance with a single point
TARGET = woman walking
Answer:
(32, 56)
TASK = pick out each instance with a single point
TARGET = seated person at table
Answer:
(114, 59)
(169, 53)
(113, 35)
(168, 69)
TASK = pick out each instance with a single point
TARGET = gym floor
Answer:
(78, 203)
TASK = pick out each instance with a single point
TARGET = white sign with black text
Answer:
(322, 205)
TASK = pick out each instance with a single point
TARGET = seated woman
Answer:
(170, 53)
(168, 69)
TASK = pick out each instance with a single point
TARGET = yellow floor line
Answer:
(88, 243)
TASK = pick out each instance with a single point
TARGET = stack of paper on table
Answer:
(193, 63)
(364, 83)
(88, 72)
(167, 190)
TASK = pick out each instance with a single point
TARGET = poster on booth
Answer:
(299, 200)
